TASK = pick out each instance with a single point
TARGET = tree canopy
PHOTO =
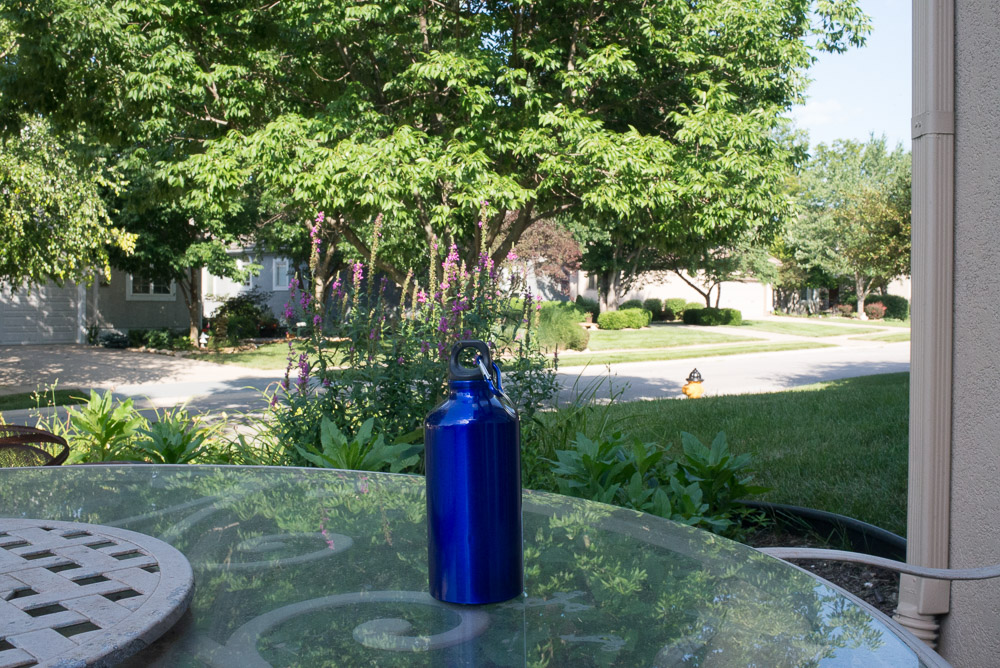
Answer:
(855, 221)
(659, 114)
(54, 221)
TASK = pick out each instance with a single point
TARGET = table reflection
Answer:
(303, 567)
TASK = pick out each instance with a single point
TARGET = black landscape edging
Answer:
(862, 537)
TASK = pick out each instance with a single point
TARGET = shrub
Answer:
(710, 317)
(633, 318)
(896, 307)
(875, 311)
(630, 303)
(701, 489)
(654, 306)
(137, 337)
(113, 339)
(845, 310)
(693, 305)
(242, 316)
(392, 354)
(559, 327)
(675, 305)
(588, 306)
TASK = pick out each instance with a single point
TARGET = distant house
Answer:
(752, 298)
(65, 314)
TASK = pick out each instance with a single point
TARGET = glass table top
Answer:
(309, 567)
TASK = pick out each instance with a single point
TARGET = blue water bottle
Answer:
(473, 463)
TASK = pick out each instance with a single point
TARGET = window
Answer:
(592, 282)
(138, 288)
(248, 281)
(281, 273)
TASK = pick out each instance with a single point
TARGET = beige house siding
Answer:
(971, 631)
(752, 299)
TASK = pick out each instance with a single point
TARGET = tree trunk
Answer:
(191, 291)
(862, 290)
(608, 290)
(718, 293)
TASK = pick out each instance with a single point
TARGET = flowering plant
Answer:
(380, 351)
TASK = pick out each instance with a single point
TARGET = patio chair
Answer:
(27, 446)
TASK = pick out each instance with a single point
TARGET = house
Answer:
(752, 298)
(73, 312)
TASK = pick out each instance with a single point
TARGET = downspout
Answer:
(921, 600)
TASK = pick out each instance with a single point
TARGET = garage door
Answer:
(46, 314)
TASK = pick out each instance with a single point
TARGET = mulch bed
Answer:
(876, 586)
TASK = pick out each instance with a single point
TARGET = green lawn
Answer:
(13, 402)
(798, 328)
(839, 446)
(583, 359)
(658, 336)
(269, 356)
(891, 337)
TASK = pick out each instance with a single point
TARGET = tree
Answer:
(855, 221)
(705, 268)
(54, 223)
(660, 113)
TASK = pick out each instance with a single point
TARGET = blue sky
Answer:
(864, 90)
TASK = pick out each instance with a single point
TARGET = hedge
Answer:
(654, 306)
(631, 318)
(896, 308)
(559, 327)
(710, 317)
(631, 303)
(588, 306)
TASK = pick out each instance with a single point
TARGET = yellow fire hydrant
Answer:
(693, 389)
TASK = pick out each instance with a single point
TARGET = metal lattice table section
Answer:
(82, 594)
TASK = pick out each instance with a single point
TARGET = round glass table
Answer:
(309, 567)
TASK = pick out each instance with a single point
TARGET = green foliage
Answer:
(100, 430)
(559, 327)
(875, 310)
(371, 356)
(701, 490)
(362, 452)
(896, 307)
(722, 477)
(630, 303)
(159, 339)
(675, 304)
(242, 316)
(655, 307)
(54, 221)
(855, 224)
(174, 438)
(589, 306)
(659, 117)
(633, 318)
(713, 316)
(113, 339)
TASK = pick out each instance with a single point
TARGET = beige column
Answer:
(931, 347)
(970, 633)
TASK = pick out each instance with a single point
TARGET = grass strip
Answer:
(658, 336)
(583, 359)
(839, 446)
(804, 328)
(891, 337)
(267, 356)
(14, 402)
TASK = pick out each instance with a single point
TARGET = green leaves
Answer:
(701, 489)
(54, 221)
(360, 453)
(174, 438)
